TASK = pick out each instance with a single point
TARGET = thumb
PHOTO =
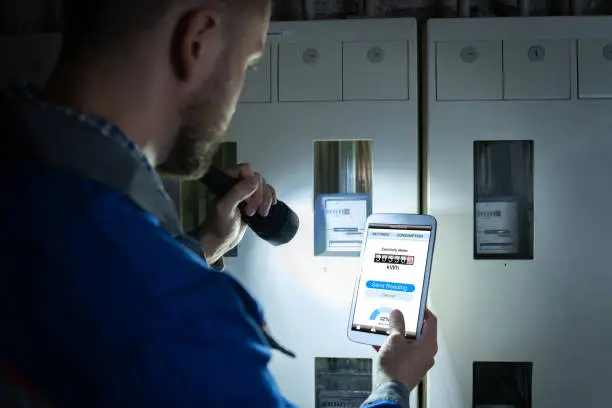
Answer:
(240, 192)
(396, 323)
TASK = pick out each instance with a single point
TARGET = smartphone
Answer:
(396, 256)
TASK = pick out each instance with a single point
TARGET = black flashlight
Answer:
(278, 228)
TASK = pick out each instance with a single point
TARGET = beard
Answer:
(203, 127)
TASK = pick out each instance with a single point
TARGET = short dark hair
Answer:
(96, 24)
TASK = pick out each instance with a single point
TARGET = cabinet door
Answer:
(595, 68)
(310, 71)
(537, 69)
(375, 70)
(469, 70)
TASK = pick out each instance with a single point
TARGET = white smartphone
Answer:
(395, 268)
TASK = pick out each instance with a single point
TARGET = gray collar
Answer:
(57, 140)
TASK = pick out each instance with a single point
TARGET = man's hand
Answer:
(224, 229)
(405, 361)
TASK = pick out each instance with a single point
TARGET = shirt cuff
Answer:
(392, 391)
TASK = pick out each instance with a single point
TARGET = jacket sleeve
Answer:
(391, 394)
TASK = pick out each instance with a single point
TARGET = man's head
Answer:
(200, 50)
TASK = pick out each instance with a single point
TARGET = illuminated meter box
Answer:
(497, 227)
(340, 223)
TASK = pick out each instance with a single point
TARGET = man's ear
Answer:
(196, 35)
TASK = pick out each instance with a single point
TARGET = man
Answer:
(103, 301)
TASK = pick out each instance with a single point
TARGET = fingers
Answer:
(240, 171)
(244, 189)
(396, 323)
(427, 316)
(273, 194)
(262, 199)
(430, 325)
(429, 336)
(267, 200)
(244, 172)
(255, 200)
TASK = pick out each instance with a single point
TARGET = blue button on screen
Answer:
(397, 287)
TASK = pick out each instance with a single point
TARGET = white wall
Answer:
(554, 310)
(307, 299)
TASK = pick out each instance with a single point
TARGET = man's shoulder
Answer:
(73, 197)
(134, 238)
(79, 236)
(57, 208)
(68, 230)
(101, 272)
(47, 201)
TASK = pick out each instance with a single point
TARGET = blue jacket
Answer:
(101, 306)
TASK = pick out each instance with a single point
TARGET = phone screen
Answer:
(392, 276)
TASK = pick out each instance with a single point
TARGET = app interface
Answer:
(392, 276)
